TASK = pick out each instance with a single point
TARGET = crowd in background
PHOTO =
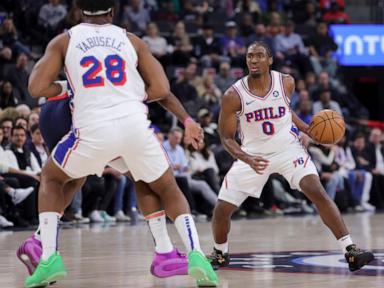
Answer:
(201, 45)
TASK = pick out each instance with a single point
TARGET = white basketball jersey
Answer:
(101, 68)
(265, 122)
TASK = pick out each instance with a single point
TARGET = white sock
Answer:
(158, 227)
(49, 226)
(37, 234)
(186, 227)
(344, 242)
(222, 247)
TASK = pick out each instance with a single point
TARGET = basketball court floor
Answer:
(292, 252)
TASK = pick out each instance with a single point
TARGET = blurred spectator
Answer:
(21, 121)
(295, 98)
(375, 153)
(274, 24)
(326, 4)
(5, 55)
(73, 18)
(260, 34)
(6, 126)
(97, 196)
(209, 92)
(211, 135)
(305, 110)
(336, 15)
(203, 166)
(50, 16)
(321, 47)
(33, 118)
(186, 93)
(8, 97)
(37, 146)
(309, 16)
(190, 14)
(137, 15)
(323, 157)
(249, 7)
(326, 102)
(310, 83)
(290, 47)
(324, 83)
(233, 45)
(9, 37)
(207, 47)
(157, 44)
(360, 179)
(23, 110)
(179, 162)
(182, 47)
(246, 25)
(22, 158)
(223, 79)
(167, 13)
(19, 76)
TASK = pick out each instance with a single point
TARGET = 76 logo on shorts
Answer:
(298, 161)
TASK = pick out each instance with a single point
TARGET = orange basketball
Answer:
(327, 127)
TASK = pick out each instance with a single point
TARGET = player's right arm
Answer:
(156, 81)
(230, 105)
(45, 72)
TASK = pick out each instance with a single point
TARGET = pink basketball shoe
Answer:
(29, 253)
(169, 264)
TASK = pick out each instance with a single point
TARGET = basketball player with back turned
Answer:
(111, 73)
(259, 102)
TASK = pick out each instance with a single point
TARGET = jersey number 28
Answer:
(114, 71)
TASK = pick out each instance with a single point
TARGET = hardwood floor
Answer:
(264, 254)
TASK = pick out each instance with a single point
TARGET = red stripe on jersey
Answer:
(59, 97)
(306, 161)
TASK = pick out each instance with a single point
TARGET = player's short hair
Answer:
(95, 7)
(263, 44)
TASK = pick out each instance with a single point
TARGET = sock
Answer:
(49, 226)
(158, 227)
(186, 227)
(222, 247)
(37, 234)
(344, 242)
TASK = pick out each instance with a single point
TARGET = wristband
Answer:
(64, 86)
(187, 121)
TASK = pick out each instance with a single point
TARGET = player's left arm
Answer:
(46, 70)
(194, 134)
(289, 88)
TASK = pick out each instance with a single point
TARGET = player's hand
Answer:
(259, 164)
(194, 135)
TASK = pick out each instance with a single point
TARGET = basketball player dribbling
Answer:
(111, 73)
(259, 102)
(55, 123)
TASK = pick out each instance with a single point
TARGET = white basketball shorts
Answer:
(242, 181)
(124, 144)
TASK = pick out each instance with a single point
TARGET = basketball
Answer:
(327, 127)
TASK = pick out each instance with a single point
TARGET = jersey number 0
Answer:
(114, 71)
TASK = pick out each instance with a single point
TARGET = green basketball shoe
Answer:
(47, 272)
(200, 269)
